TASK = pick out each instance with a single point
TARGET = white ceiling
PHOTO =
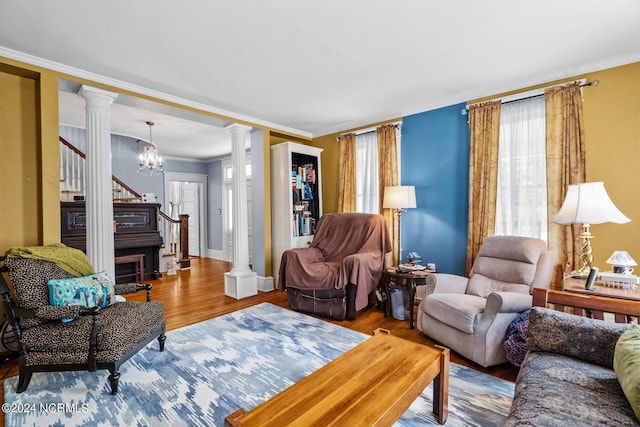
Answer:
(317, 67)
(179, 134)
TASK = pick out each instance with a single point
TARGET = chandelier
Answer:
(149, 163)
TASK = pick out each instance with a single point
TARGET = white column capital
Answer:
(238, 128)
(97, 97)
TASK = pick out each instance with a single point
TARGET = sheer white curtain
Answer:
(521, 205)
(367, 195)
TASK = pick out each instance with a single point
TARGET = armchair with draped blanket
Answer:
(335, 275)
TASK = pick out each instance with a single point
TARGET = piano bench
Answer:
(137, 260)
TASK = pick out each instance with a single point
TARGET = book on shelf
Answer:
(304, 173)
(308, 195)
(296, 226)
(303, 223)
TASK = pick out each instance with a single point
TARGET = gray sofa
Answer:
(567, 377)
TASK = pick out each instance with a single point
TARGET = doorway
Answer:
(187, 194)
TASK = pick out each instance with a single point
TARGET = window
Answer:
(367, 193)
(521, 203)
(367, 183)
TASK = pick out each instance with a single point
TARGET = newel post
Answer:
(185, 262)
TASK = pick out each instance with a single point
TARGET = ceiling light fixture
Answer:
(149, 163)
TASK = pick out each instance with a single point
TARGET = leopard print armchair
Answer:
(96, 338)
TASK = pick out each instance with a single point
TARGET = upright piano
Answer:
(136, 232)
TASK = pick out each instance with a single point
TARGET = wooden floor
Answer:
(198, 294)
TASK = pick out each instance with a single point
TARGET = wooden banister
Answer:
(183, 222)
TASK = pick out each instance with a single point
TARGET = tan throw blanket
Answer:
(71, 260)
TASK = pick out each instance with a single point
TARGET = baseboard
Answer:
(219, 255)
(265, 284)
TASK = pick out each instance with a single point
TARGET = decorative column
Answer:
(99, 197)
(240, 282)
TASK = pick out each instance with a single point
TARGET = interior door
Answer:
(191, 207)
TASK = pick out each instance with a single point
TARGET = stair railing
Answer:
(181, 252)
(72, 183)
(72, 177)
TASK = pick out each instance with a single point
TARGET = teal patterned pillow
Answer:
(94, 290)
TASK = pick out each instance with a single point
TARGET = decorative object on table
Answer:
(408, 267)
(149, 162)
(399, 198)
(618, 280)
(621, 262)
(414, 258)
(587, 203)
(149, 198)
(591, 279)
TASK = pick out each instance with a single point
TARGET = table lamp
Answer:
(399, 198)
(621, 262)
(587, 203)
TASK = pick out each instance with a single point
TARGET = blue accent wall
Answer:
(435, 159)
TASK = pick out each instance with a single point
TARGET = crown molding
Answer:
(99, 78)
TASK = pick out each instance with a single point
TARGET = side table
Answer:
(391, 278)
(577, 286)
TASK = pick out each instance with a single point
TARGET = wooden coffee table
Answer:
(372, 384)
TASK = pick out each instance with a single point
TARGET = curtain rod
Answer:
(535, 93)
(369, 130)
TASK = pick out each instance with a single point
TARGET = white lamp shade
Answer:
(621, 258)
(588, 203)
(399, 197)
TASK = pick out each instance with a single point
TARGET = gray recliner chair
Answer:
(471, 316)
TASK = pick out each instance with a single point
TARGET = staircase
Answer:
(72, 177)
(73, 187)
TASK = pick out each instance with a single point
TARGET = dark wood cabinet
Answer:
(136, 232)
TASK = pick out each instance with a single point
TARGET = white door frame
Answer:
(201, 179)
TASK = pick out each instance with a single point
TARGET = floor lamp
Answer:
(399, 198)
(587, 203)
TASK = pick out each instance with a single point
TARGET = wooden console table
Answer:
(372, 384)
(577, 286)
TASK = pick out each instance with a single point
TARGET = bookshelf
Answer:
(296, 197)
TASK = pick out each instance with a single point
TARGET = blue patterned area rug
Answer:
(211, 369)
